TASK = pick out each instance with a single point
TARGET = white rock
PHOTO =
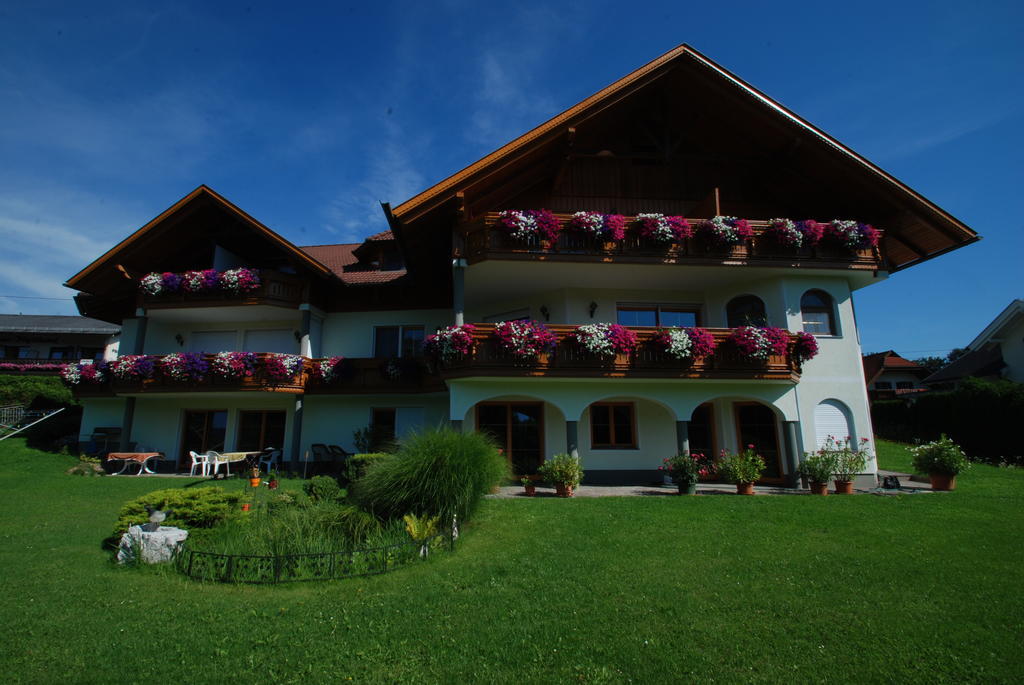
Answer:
(154, 548)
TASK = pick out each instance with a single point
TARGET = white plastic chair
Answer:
(269, 459)
(216, 461)
(200, 460)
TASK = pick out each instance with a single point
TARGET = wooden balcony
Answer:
(569, 360)
(31, 367)
(484, 240)
(379, 376)
(276, 289)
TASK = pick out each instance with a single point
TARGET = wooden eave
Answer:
(926, 232)
(80, 281)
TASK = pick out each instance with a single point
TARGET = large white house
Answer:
(679, 137)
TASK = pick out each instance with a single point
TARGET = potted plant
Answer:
(564, 472)
(685, 470)
(849, 462)
(272, 480)
(529, 486)
(254, 477)
(817, 468)
(942, 460)
(743, 468)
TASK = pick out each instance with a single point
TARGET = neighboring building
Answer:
(997, 352)
(889, 375)
(40, 343)
(679, 136)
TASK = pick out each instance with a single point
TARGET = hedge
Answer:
(37, 392)
(981, 416)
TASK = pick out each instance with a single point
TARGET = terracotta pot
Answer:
(246, 506)
(563, 489)
(254, 482)
(744, 488)
(942, 482)
(687, 488)
(844, 487)
(531, 490)
(819, 488)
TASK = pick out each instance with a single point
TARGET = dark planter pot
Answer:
(272, 485)
(531, 490)
(744, 488)
(819, 488)
(563, 490)
(687, 488)
(844, 487)
(942, 482)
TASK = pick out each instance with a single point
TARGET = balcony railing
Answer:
(569, 360)
(378, 376)
(484, 240)
(36, 367)
(276, 289)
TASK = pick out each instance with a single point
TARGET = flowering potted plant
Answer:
(663, 229)
(805, 347)
(531, 223)
(240, 280)
(607, 227)
(685, 470)
(684, 343)
(725, 231)
(205, 281)
(564, 472)
(272, 480)
(529, 487)
(818, 468)
(942, 460)
(184, 366)
(450, 342)
(87, 373)
(526, 340)
(604, 339)
(848, 461)
(160, 283)
(233, 365)
(851, 234)
(742, 468)
(757, 343)
(254, 477)
(281, 368)
(329, 370)
(132, 367)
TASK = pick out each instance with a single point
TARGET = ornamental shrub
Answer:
(742, 467)
(942, 456)
(562, 469)
(193, 508)
(323, 489)
(437, 472)
(36, 392)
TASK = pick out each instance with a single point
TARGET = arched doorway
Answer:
(757, 425)
(518, 427)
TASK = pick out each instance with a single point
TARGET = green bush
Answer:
(941, 456)
(193, 508)
(743, 467)
(323, 489)
(438, 472)
(37, 392)
(562, 469)
(358, 464)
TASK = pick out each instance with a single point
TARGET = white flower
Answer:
(679, 344)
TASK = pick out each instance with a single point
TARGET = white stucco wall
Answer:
(332, 419)
(350, 334)
(160, 335)
(100, 412)
(1013, 352)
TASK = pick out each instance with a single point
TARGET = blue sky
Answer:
(308, 117)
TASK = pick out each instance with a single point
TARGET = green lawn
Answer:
(915, 588)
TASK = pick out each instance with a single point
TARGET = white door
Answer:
(271, 340)
(830, 419)
(212, 342)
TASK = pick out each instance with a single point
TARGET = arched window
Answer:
(831, 419)
(816, 313)
(745, 310)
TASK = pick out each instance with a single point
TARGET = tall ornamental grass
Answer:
(438, 472)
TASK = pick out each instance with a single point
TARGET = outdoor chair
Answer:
(200, 460)
(269, 459)
(216, 461)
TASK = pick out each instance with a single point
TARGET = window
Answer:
(612, 426)
(95, 353)
(904, 385)
(746, 310)
(816, 312)
(62, 352)
(517, 315)
(657, 315)
(397, 341)
(382, 427)
(258, 430)
(883, 385)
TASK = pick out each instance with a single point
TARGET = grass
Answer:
(755, 589)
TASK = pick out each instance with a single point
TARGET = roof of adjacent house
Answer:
(977, 363)
(42, 323)
(342, 261)
(1007, 317)
(878, 363)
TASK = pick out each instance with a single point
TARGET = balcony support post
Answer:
(296, 434)
(683, 437)
(459, 290)
(572, 438)
(127, 418)
(305, 345)
(792, 453)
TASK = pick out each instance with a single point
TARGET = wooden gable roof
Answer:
(824, 174)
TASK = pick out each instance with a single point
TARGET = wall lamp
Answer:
(298, 336)
(179, 339)
(593, 308)
(545, 312)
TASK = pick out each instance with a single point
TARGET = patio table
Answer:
(140, 458)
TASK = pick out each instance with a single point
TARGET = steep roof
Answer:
(978, 363)
(929, 230)
(878, 363)
(342, 261)
(1005, 319)
(42, 323)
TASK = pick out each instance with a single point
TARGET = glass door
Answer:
(204, 430)
(756, 425)
(519, 430)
